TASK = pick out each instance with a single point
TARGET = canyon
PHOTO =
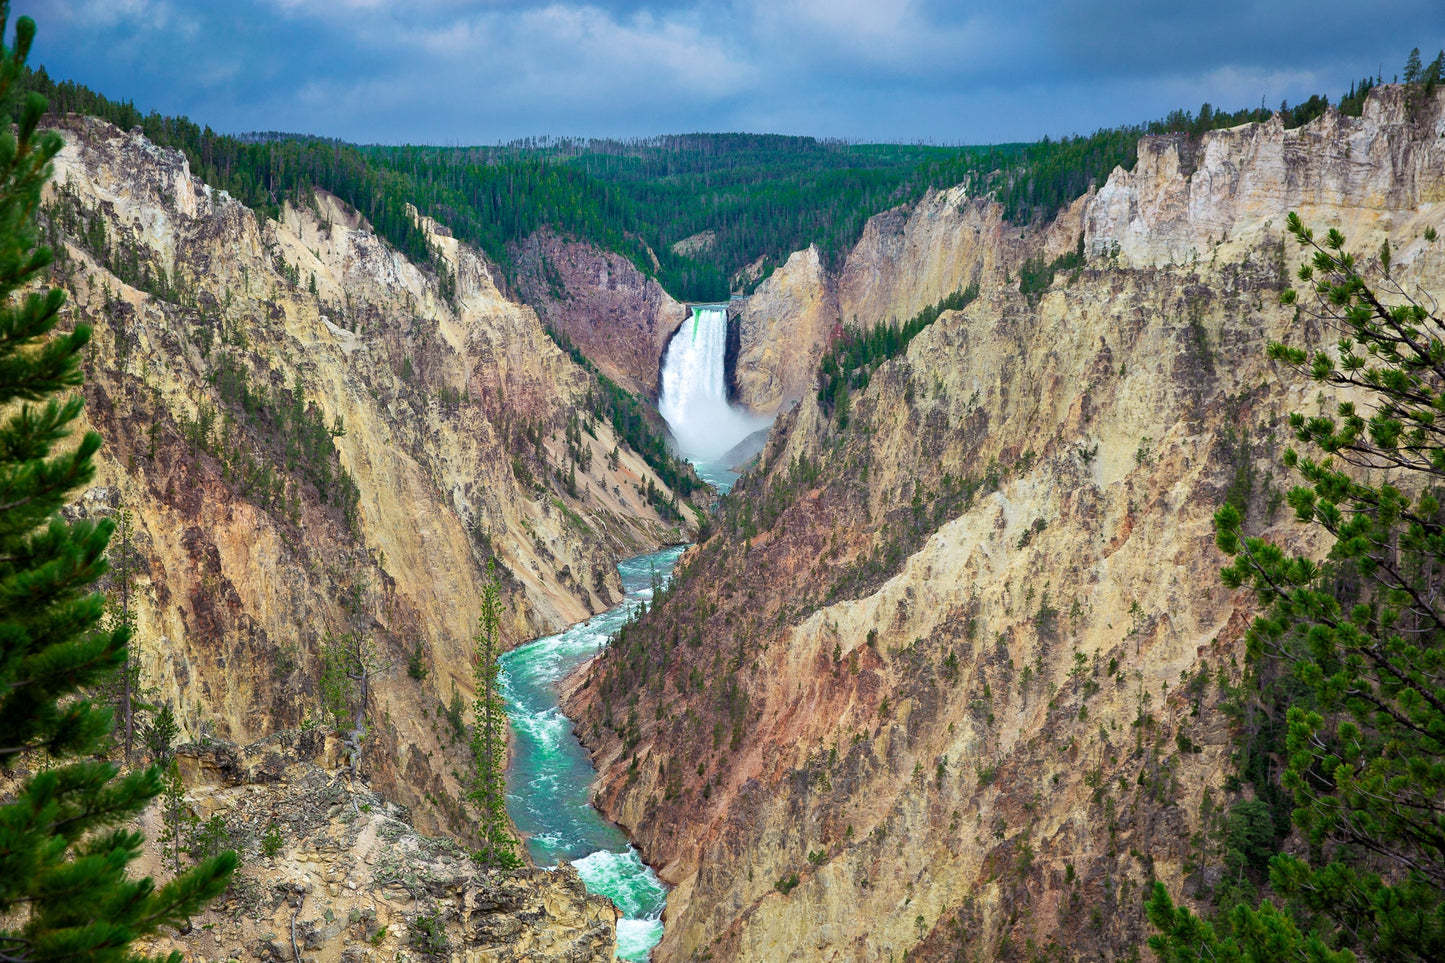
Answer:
(944, 682)
(320, 444)
(940, 679)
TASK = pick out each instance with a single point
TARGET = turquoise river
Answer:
(548, 783)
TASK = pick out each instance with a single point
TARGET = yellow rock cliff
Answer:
(942, 683)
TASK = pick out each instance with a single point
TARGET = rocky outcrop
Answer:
(942, 683)
(910, 258)
(907, 259)
(331, 871)
(618, 316)
(783, 327)
(319, 443)
(695, 244)
(1182, 200)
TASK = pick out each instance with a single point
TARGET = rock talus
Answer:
(333, 871)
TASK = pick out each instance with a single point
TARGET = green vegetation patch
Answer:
(849, 361)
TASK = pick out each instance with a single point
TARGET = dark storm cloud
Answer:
(470, 71)
(1114, 38)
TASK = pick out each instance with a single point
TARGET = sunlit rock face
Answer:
(783, 327)
(1381, 171)
(313, 441)
(907, 259)
(944, 682)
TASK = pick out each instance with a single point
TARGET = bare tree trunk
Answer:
(127, 708)
(362, 677)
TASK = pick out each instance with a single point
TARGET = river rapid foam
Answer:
(548, 782)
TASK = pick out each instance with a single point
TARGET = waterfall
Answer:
(694, 397)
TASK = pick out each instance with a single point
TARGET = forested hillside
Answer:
(739, 203)
(759, 196)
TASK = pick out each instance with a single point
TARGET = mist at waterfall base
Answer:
(548, 781)
(694, 395)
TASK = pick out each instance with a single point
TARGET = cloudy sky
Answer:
(944, 71)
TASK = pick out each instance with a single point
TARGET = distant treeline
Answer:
(263, 174)
(763, 196)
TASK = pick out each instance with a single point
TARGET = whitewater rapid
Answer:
(548, 782)
(694, 397)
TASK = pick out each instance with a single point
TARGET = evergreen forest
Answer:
(741, 203)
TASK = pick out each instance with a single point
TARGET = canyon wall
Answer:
(319, 444)
(1377, 172)
(618, 316)
(907, 259)
(782, 327)
(943, 681)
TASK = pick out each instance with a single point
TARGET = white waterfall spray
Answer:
(694, 397)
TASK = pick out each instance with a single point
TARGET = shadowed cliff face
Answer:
(943, 682)
(618, 316)
(313, 442)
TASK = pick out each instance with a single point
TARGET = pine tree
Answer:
(1412, 67)
(124, 688)
(489, 743)
(64, 891)
(841, 403)
(1435, 73)
(1364, 635)
(159, 735)
(176, 819)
